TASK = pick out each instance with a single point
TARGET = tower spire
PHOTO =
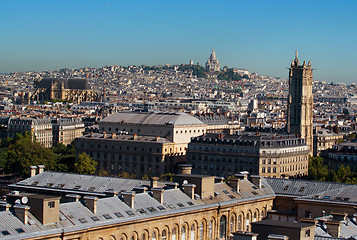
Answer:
(296, 54)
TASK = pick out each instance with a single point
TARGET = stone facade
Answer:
(300, 101)
(269, 155)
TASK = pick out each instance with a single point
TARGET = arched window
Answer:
(222, 227)
(231, 225)
(247, 223)
(193, 232)
(143, 237)
(183, 233)
(153, 236)
(164, 236)
(255, 217)
(239, 223)
(173, 235)
(210, 230)
(201, 231)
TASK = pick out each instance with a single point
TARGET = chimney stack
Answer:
(114, 135)
(91, 203)
(172, 185)
(234, 183)
(140, 189)
(32, 171)
(72, 198)
(158, 194)
(135, 136)
(153, 182)
(185, 168)
(110, 193)
(104, 134)
(5, 206)
(257, 180)
(41, 169)
(219, 180)
(128, 198)
(22, 212)
(242, 175)
(189, 189)
(334, 228)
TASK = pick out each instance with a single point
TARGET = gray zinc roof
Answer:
(151, 118)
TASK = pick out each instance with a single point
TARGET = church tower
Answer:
(300, 101)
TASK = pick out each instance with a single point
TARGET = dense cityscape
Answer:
(177, 152)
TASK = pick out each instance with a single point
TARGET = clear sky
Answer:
(260, 36)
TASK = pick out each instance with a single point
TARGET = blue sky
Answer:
(260, 36)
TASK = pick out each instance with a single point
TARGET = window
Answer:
(163, 235)
(82, 220)
(153, 236)
(222, 227)
(201, 231)
(193, 232)
(107, 216)
(5, 232)
(183, 233)
(20, 230)
(95, 218)
(173, 236)
(307, 233)
(51, 204)
(118, 214)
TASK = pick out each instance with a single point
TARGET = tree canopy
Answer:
(85, 164)
(22, 153)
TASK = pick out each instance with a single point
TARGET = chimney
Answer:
(91, 134)
(172, 185)
(234, 183)
(256, 180)
(336, 216)
(32, 171)
(157, 138)
(22, 212)
(114, 135)
(135, 136)
(140, 189)
(91, 203)
(41, 169)
(334, 228)
(277, 237)
(242, 175)
(5, 206)
(219, 179)
(189, 189)
(242, 235)
(104, 134)
(110, 193)
(128, 198)
(153, 182)
(158, 194)
(185, 168)
(72, 198)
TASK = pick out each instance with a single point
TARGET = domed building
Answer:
(212, 64)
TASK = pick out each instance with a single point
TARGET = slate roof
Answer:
(152, 118)
(299, 187)
(80, 184)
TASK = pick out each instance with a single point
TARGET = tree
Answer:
(23, 153)
(317, 171)
(85, 164)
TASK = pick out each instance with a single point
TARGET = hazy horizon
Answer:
(260, 36)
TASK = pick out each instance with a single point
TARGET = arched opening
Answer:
(193, 232)
(173, 235)
(210, 230)
(231, 225)
(153, 236)
(163, 235)
(201, 231)
(239, 223)
(183, 233)
(247, 222)
(222, 227)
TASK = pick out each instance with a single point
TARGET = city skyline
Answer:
(258, 36)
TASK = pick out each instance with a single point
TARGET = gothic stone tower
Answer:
(300, 101)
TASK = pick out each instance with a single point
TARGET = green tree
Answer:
(85, 164)
(65, 156)
(23, 153)
(317, 171)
